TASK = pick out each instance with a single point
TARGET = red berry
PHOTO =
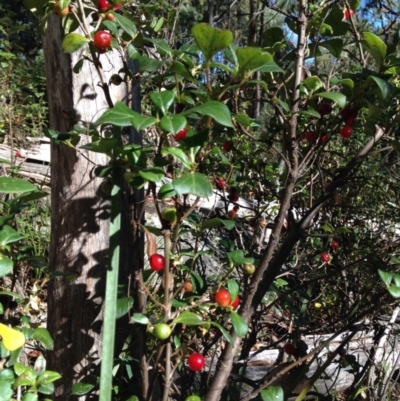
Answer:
(232, 214)
(236, 302)
(233, 197)
(348, 13)
(311, 136)
(324, 109)
(118, 7)
(181, 134)
(18, 154)
(348, 112)
(289, 348)
(236, 208)
(346, 132)
(196, 362)
(157, 262)
(227, 146)
(334, 244)
(102, 39)
(103, 5)
(325, 257)
(222, 298)
(350, 121)
(324, 138)
(221, 184)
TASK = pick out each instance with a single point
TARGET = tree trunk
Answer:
(79, 218)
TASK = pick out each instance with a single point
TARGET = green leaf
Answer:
(126, 24)
(272, 393)
(311, 113)
(29, 397)
(153, 174)
(81, 388)
(120, 115)
(237, 258)
(179, 154)
(123, 306)
(339, 98)
(240, 326)
(42, 335)
(9, 185)
(255, 59)
(73, 42)
(6, 265)
(101, 146)
(48, 376)
(140, 122)
(173, 123)
(162, 100)
(194, 184)
(189, 318)
(147, 64)
(233, 288)
(217, 110)
(272, 36)
(166, 191)
(394, 291)
(211, 40)
(375, 46)
(30, 196)
(334, 46)
(216, 222)
(161, 45)
(223, 330)
(384, 87)
(313, 83)
(6, 392)
(396, 279)
(46, 388)
(8, 235)
(385, 276)
(139, 318)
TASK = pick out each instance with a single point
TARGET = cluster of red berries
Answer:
(349, 116)
(223, 299)
(325, 257)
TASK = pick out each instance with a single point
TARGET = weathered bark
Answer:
(79, 219)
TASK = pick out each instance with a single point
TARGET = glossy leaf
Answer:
(126, 24)
(73, 42)
(81, 388)
(223, 330)
(394, 291)
(6, 265)
(272, 393)
(162, 100)
(233, 288)
(147, 64)
(237, 258)
(179, 154)
(10, 185)
(211, 40)
(217, 110)
(375, 46)
(42, 335)
(383, 87)
(120, 115)
(194, 184)
(153, 174)
(334, 46)
(123, 306)
(189, 318)
(240, 326)
(216, 222)
(254, 59)
(313, 83)
(339, 98)
(173, 123)
(166, 191)
(139, 318)
(101, 146)
(385, 276)
(8, 235)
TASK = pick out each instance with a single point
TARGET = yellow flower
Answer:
(12, 339)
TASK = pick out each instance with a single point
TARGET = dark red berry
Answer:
(102, 39)
(311, 136)
(103, 5)
(334, 244)
(157, 262)
(289, 348)
(196, 362)
(236, 302)
(324, 109)
(221, 184)
(227, 146)
(350, 121)
(325, 257)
